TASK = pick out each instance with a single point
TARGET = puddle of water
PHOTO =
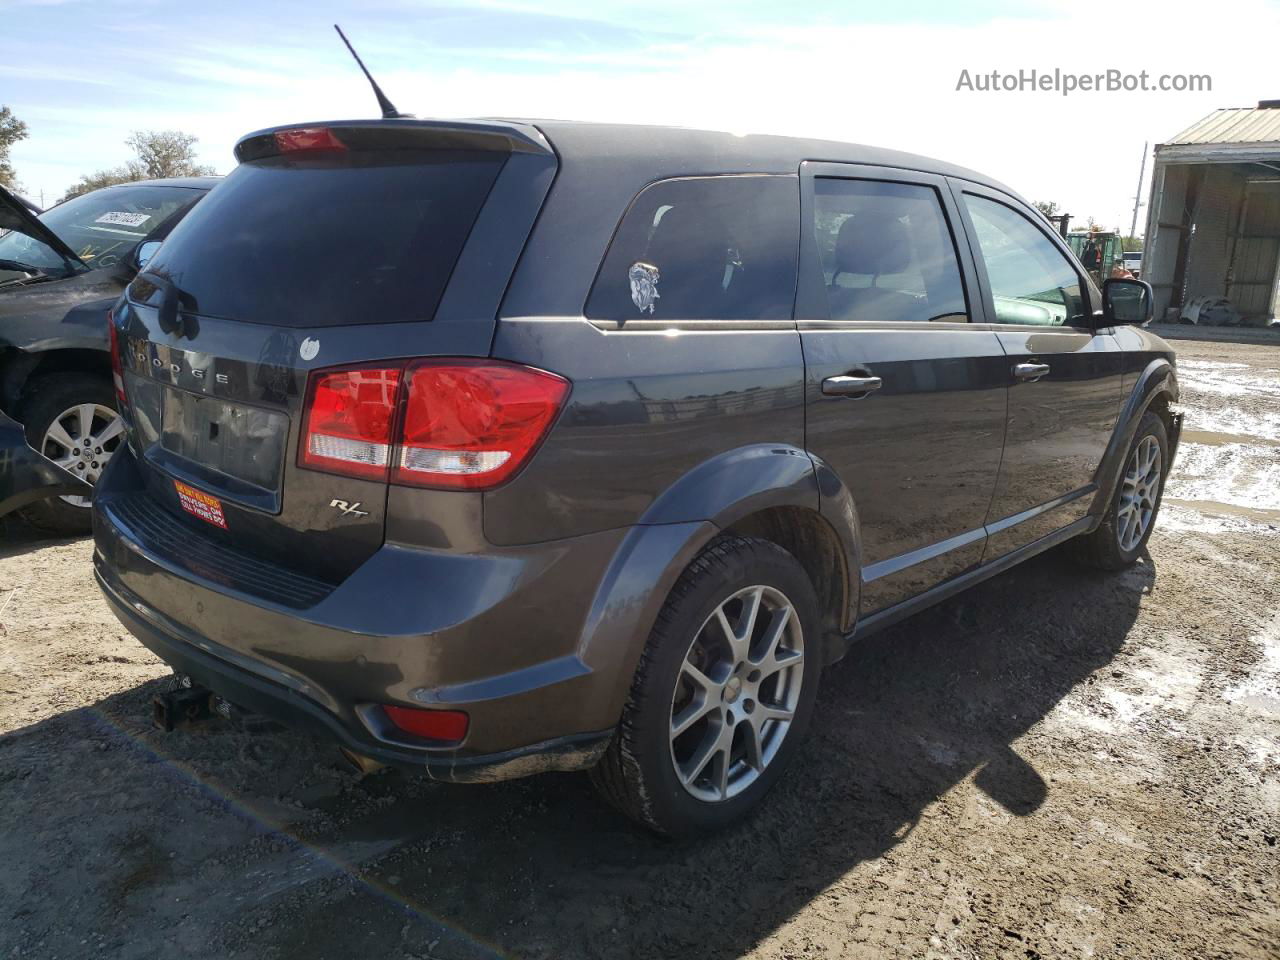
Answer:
(1213, 508)
(1192, 363)
(1213, 438)
(1224, 478)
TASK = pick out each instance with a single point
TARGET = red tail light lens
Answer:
(453, 424)
(449, 725)
(471, 425)
(350, 416)
(308, 138)
(117, 363)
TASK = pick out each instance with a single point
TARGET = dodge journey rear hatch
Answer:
(266, 355)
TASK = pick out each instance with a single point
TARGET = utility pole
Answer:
(1137, 197)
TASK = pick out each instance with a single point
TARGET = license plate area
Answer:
(232, 449)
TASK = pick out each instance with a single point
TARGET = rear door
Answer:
(327, 247)
(905, 397)
(1063, 375)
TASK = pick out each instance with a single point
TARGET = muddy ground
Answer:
(1056, 764)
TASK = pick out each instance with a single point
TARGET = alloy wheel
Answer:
(737, 693)
(1138, 493)
(81, 440)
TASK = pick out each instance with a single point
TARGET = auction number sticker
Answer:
(124, 219)
(198, 504)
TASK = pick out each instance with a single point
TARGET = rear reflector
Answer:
(349, 418)
(453, 424)
(307, 138)
(447, 725)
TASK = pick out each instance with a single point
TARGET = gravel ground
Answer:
(1055, 764)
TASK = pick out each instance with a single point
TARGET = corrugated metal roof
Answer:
(1237, 125)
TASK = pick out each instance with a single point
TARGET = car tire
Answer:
(1117, 543)
(52, 398)
(752, 705)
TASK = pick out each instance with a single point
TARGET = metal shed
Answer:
(1213, 222)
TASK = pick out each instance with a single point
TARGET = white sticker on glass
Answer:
(644, 279)
(120, 218)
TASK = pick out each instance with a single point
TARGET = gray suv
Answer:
(492, 448)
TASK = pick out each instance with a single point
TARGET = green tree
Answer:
(159, 153)
(1049, 208)
(11, 131)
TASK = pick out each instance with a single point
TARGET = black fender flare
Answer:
(1158, 378)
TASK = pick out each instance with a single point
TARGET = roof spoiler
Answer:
(397, 134)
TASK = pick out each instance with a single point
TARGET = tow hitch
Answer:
(177, 708)
(190, 703)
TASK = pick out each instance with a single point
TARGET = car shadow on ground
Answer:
(17, 537)
(539, 867)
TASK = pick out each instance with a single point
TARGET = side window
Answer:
(1032, 282)
(703, 248)
(887, 254)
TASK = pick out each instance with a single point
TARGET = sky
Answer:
(83, 75)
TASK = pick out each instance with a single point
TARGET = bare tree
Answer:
(165, 153)
(160, 153)
(11, 131)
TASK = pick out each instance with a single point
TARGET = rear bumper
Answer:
(496, 635)
(243, 686)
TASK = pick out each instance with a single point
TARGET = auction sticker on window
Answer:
(123, 219)
(198, 504)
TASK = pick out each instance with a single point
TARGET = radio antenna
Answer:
(389, 111)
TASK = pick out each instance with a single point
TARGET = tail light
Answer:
(452, 424)
(117, 364)
(350, 416)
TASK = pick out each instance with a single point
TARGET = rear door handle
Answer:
(847, 386)
(1030, 371)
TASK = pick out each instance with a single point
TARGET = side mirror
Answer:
(146, 250)
(1127, 302)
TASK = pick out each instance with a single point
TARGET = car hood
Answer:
(69, 313)
(14, 215)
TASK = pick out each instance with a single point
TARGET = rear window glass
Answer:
(703, 248)
(328, 241)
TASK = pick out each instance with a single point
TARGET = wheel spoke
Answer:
(773, 635)
(770, 712)
(704, 683)
(747, 624)
(695, 711)
(112, 430)
(752, 747)
(58, 434)
(84, 416)
(721, 772)
(693, 767)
